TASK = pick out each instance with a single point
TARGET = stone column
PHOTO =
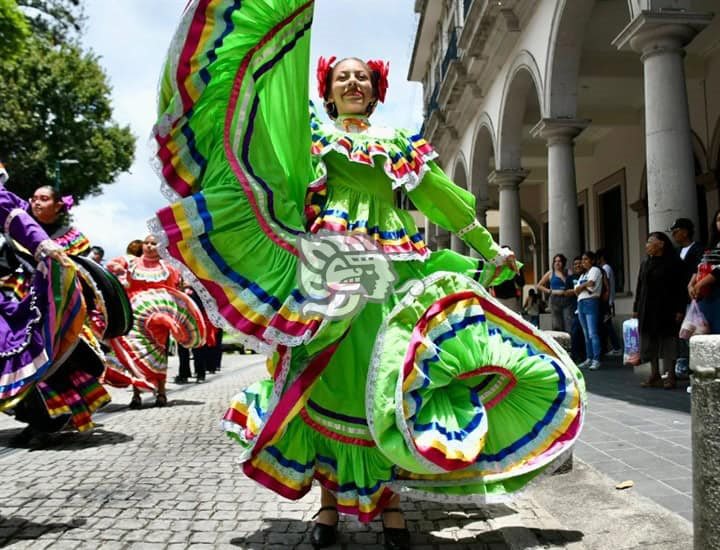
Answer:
(563, 222)
(704, 351)
(429, 233)
(457, 244)
(442, 238)
(660, 38)
(479, 188)
(508, 182)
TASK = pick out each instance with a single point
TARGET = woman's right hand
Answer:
(61, 257)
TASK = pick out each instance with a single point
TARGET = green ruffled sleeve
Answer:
(452, 208)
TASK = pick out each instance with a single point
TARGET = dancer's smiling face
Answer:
(351, 87)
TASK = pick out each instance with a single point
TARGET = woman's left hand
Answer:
(506, 257)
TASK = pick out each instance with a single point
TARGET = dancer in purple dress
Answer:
(38, 331)
(52, 323)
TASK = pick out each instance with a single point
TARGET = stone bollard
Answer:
(562, 338)
(705, 365)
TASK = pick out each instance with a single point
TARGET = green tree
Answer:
(55, 104)
(60, 21)
(14, 29)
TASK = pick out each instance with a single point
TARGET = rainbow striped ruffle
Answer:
(347, 211)
(158, 313)
(73, 241)
(482, 396)
(406, 154)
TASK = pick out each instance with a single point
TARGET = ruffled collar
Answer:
(352, 124)
(406, 155)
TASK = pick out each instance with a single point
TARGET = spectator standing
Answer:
(577, 339)
(532, 307)
(690, 251)
(97, 253)
(607, 307)
(682, 231)
(588, 289)
(659, 307)
(556, 283)
(184, 373)
(707, 289)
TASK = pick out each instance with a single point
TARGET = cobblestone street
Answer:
(167, 478)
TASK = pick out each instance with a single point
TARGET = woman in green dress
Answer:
(391, 369)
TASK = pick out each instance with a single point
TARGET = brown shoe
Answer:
(652, 382)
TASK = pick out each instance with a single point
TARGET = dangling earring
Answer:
(331, 109)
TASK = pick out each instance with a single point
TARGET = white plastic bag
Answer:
(631, 340)
(694, 322)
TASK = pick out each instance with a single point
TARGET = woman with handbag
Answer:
(705, 284)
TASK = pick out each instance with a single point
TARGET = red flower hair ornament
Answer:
(380, 68)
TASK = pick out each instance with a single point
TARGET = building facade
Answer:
(577, 124)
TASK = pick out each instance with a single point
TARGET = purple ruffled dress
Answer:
(43, 326)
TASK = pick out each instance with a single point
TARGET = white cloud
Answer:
(132, 38)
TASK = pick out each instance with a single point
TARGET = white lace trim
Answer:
(465, 230)
(14, 213)
(22, 346)
(413, 488)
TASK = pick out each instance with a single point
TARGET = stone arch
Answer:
(523, 76)
(702, 161)
(484, 135)
(633, 8)
(460, 172)
(460, 177)
(563, 57)
(483, 150)
(714, 149)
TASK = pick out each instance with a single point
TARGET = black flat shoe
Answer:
(135, 402)
(323, 535)
(396, 538)
(160, 400)
(180, 380)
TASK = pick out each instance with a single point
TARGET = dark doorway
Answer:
(611, 233)
(581, 228)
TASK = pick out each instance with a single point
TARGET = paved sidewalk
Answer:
(640, 434)
(166, 478)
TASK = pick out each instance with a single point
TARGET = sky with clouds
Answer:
(131, 37)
